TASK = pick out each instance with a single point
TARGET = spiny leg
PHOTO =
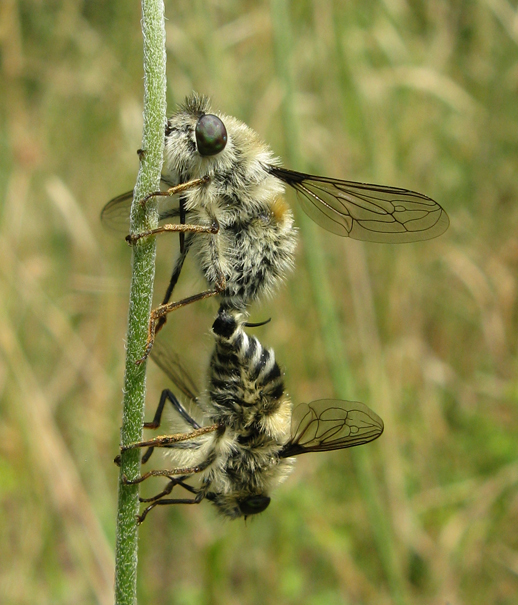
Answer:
(175, 189)
(163, 310)
(181, 229)
(165, 440)
(159, 499)
(166, 502)
(169, 472)
(158, 315)
(166, 395)
(181, 208)
(166, 491)
(169, 488)
(175, 275)
(175, 228)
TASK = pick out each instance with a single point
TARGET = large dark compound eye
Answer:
(254, 505)
(211, 135)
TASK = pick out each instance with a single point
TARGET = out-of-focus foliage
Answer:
(416, 94)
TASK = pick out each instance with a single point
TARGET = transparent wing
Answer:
(169, 362)
(331, 424)
(371, 213)
(116, 214)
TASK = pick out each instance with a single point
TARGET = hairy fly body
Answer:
(231, 209)
(238, 440)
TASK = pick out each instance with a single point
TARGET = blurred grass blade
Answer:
(332, 333)
(85, 542)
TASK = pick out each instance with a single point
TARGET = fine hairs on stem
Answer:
(148, 180)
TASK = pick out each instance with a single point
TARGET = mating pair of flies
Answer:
(237, 440)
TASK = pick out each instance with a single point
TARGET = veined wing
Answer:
(372, 213)
(116, 213)
(331, 424)
(169, 362)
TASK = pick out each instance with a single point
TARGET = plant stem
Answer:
(141, 291)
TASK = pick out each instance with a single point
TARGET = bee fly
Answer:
(231, 189)
(243, 444)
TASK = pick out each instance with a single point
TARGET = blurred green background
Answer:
(413, 93)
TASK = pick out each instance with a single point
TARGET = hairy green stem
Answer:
(148, 180)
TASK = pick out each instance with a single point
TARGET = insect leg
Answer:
(165, 440)
(191, 470)
(167, 501)
(175, 189)
(169, 473)
(165, 492)
(174, 276)
(182, 228)
(169, 488)
(157, 317)
(166, 395)
(163, 310)
(182, 222)
(178, 228)
(186, 486)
